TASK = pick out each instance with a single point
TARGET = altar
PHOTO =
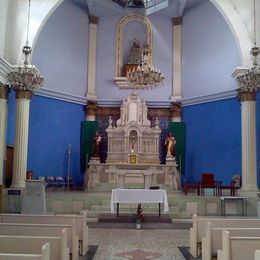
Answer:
(133, 151)
(153, 174)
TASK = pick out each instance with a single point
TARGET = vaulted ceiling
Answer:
(169, 8)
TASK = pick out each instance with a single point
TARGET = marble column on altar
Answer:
(92, 51)
(176, 58)
(3, 126)
(247, 97)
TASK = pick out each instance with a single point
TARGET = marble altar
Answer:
(153, 174)
(133, 150)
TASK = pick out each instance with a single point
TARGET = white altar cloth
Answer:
(139, 196)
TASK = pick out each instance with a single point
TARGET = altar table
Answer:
(138, 196)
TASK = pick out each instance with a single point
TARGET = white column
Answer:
(23, 99)
(3, 126)
(92, 50)
(176, 58)
(248, 126)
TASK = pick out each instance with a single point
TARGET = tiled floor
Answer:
(122, 244)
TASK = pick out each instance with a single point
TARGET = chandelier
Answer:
(25, 76)
(145, 75)
(250, 81)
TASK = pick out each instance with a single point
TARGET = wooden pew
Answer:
(80, 223)
(213, 238)
(257, 254)
(33, 244)
(44, 255)
(238, 248)
(25, 229)
(199, 228)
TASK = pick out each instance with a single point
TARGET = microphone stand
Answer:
(68, 174)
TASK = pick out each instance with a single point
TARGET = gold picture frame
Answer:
(133, 159)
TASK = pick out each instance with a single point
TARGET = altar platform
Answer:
(97, 202)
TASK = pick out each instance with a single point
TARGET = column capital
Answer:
(176, 20)
(93, 19)
(243, 95)
(27, 94)
(176, 109)
(4, 90)
(91, 108)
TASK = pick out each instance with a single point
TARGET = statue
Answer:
(169, 145)
(96, 145)
(134, 53)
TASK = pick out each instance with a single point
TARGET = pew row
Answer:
(257, 254)
(47, 230)
(33, 244)
(80, 223)
(237, 248)
(213, 238)
(44, 255)
(199, 228)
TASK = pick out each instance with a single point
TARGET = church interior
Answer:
(109, 108)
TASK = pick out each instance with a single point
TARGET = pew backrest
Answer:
(60, 219)
(238, 248)
(213, 238)
(33, 244)
(45, 255)
(43, 230)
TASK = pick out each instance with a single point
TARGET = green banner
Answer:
(88, 129)
(178, 129)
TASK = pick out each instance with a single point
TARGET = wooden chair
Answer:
(208, 182)
(233, 186)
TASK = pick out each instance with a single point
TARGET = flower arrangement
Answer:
(139, 213)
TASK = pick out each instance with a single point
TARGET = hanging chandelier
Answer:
(25, 76)
(145, 75)
(250, 81)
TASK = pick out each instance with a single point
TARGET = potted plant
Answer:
(139, 216)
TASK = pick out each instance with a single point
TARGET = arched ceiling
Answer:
(239, 20)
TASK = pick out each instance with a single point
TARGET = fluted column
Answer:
(23, 99)
(176, 58)
(92, 50)
(3, 124)
(248, 126)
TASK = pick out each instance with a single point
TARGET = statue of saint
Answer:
(134, 56)
(169, 145)
(96, 145)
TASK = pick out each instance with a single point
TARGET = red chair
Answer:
(208, 182)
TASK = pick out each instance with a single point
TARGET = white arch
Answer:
(242, 34)
(17, 21)
(119, 37)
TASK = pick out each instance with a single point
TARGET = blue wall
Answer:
(53, 126)
(213, 141)
(213, 138)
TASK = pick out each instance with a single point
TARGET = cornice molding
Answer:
(209, 98)
(5, 67)
(44, 92)
(82, 100)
